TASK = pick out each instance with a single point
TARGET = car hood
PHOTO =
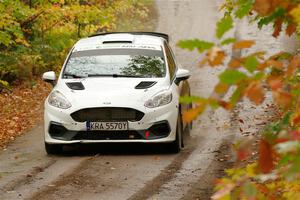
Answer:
(120, 92)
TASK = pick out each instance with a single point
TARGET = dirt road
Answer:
(139, 171)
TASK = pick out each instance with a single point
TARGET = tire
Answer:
(53, 149)
(177, 145)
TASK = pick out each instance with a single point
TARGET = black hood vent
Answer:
(75, 85)
(145, 84)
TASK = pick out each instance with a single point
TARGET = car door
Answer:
(183, 87)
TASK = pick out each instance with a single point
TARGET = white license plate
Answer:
(107, 126)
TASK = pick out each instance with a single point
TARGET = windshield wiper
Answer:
(74, 75)
(114, 75)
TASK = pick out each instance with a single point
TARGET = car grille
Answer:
(107, 114)
(107, 135)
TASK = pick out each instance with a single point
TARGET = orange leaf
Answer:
(235, 63)
(283, 99)
(243, 44)
(255, 93)
(221, 88)
(291, 28)
(265, 160)
(294, 64)
(275, 63)
(277, 27)
(295, 120)
(275, 82)
(244, 149)
(215, 57)
(192, 114)
(263, 7)
(225, 105)
(262, 66)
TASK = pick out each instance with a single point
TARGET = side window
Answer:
(171, 62)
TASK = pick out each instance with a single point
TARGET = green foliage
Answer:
(251, 63)
(230, 76)
(195, 44)
(228, 41)
(35, 36)
(244, 9)
(224, 25)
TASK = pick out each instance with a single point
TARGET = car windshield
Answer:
(122, 62)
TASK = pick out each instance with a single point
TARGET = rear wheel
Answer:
(177, 145)
(53, 148)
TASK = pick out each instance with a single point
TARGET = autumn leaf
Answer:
(243, 44)
(291, 29)
(262, 66)
(243, 149)
(221, 88)
(255, 93)
(220, 194)
(192, 114)
(235, 63)
(294, 64)
(263, 7)
(282, 98)
(275, 63)
(214, 57)
(275, 82)
(265, 160)
(225, 105)
(277, 27)
(295, 119)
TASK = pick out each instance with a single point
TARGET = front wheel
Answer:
(53, 149)
(177, 145)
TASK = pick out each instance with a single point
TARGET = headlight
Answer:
(58, 100)
(160, 99)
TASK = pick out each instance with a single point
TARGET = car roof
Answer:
(144, 40)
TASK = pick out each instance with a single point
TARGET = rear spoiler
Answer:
(163, 35)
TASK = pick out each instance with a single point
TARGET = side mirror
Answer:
(49, 77)
(182, 75)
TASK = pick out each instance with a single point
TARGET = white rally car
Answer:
(117, 87)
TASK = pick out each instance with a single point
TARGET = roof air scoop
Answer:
(75, 85)
(145, 84)
(118, 38)
(111, 42)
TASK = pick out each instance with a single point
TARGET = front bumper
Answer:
(157, 126)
